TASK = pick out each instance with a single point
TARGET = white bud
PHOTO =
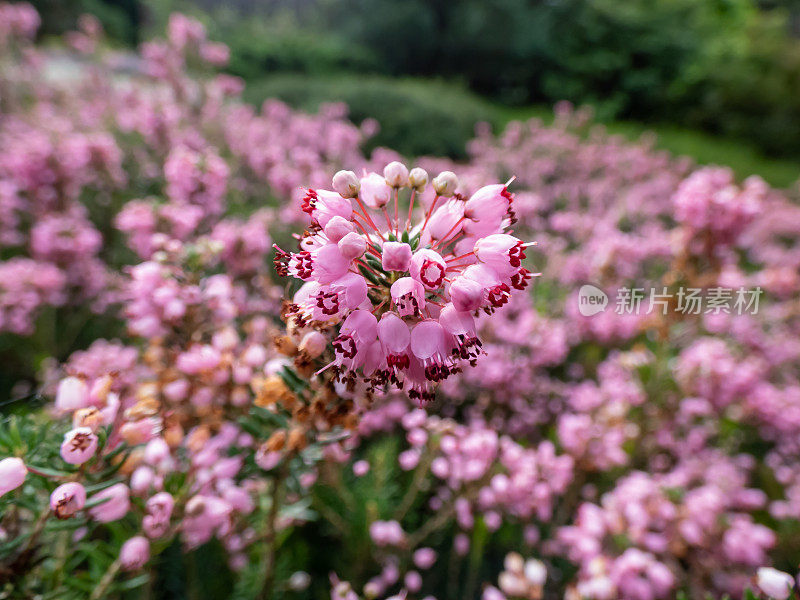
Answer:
(418, 178)
(535, 572)
(445, 183)
(514, 562)
(347, 184)
(299, 581)
(396, 174)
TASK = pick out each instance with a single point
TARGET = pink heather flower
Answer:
(360, 468)
(313, 344)
(424, 558)
(352, 246)
(375, 192)
(487, 209)
(134, 553)
(387, 533)
(467, 294)
(338, 227)
(492, 593)
(395, 256)
(775, 584)
(428, 267)
(159, 511)
(408, 296)
(67, 499)
(501, 252)
(346, 184)
(396, 174)
(403, 286)
(323, 205)
(72, 394)
(418, 178)
(445, 183)
(115, 503)
(710, 203)
(446, 221)
(12, 474)
(79, 445)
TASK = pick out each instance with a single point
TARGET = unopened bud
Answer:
(396, 174)
(418, 178)
(313, 344)
(299, 581)
(445, 183)
(347, 184)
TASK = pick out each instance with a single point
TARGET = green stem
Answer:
(270, 538)
(106, 581)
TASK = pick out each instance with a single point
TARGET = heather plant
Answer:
(399, 409)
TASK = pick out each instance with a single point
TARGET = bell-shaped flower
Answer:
(110, 504)
(408, 296)
(323, 205)
(352, 246)
(502, 252)
(497, 292)
(354, 288)
(12, 474)
(72, 394)
(338, 227)
(330, 263)
(79, 445)
(134, 553)
(358, 331)
(67, 499)
(445, 222)
(395, 256)
(395, 337)
(467, 294)
(486, 209)
(428, 267)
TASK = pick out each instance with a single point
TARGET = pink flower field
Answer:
(243, 358)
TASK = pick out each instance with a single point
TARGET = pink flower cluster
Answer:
(404, 292)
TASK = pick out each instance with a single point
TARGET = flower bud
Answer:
(72, 394)
(396, 174)
(466, 294)
(375, 192)
(87, 417)
(12, 474)
(111, 504)
(134, 553)
(313, 344)
(535, 572)
(79, 445)
(445, 183)
(352, 246)
(299, 581)
(67, 499)
(338, 227)
(425, 558)
(774, 583)
(418, 178)
(395, 256)
(347, 184)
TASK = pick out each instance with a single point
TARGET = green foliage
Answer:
(416, 117)
(257, 49)
(725, 65)
(121, 19)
